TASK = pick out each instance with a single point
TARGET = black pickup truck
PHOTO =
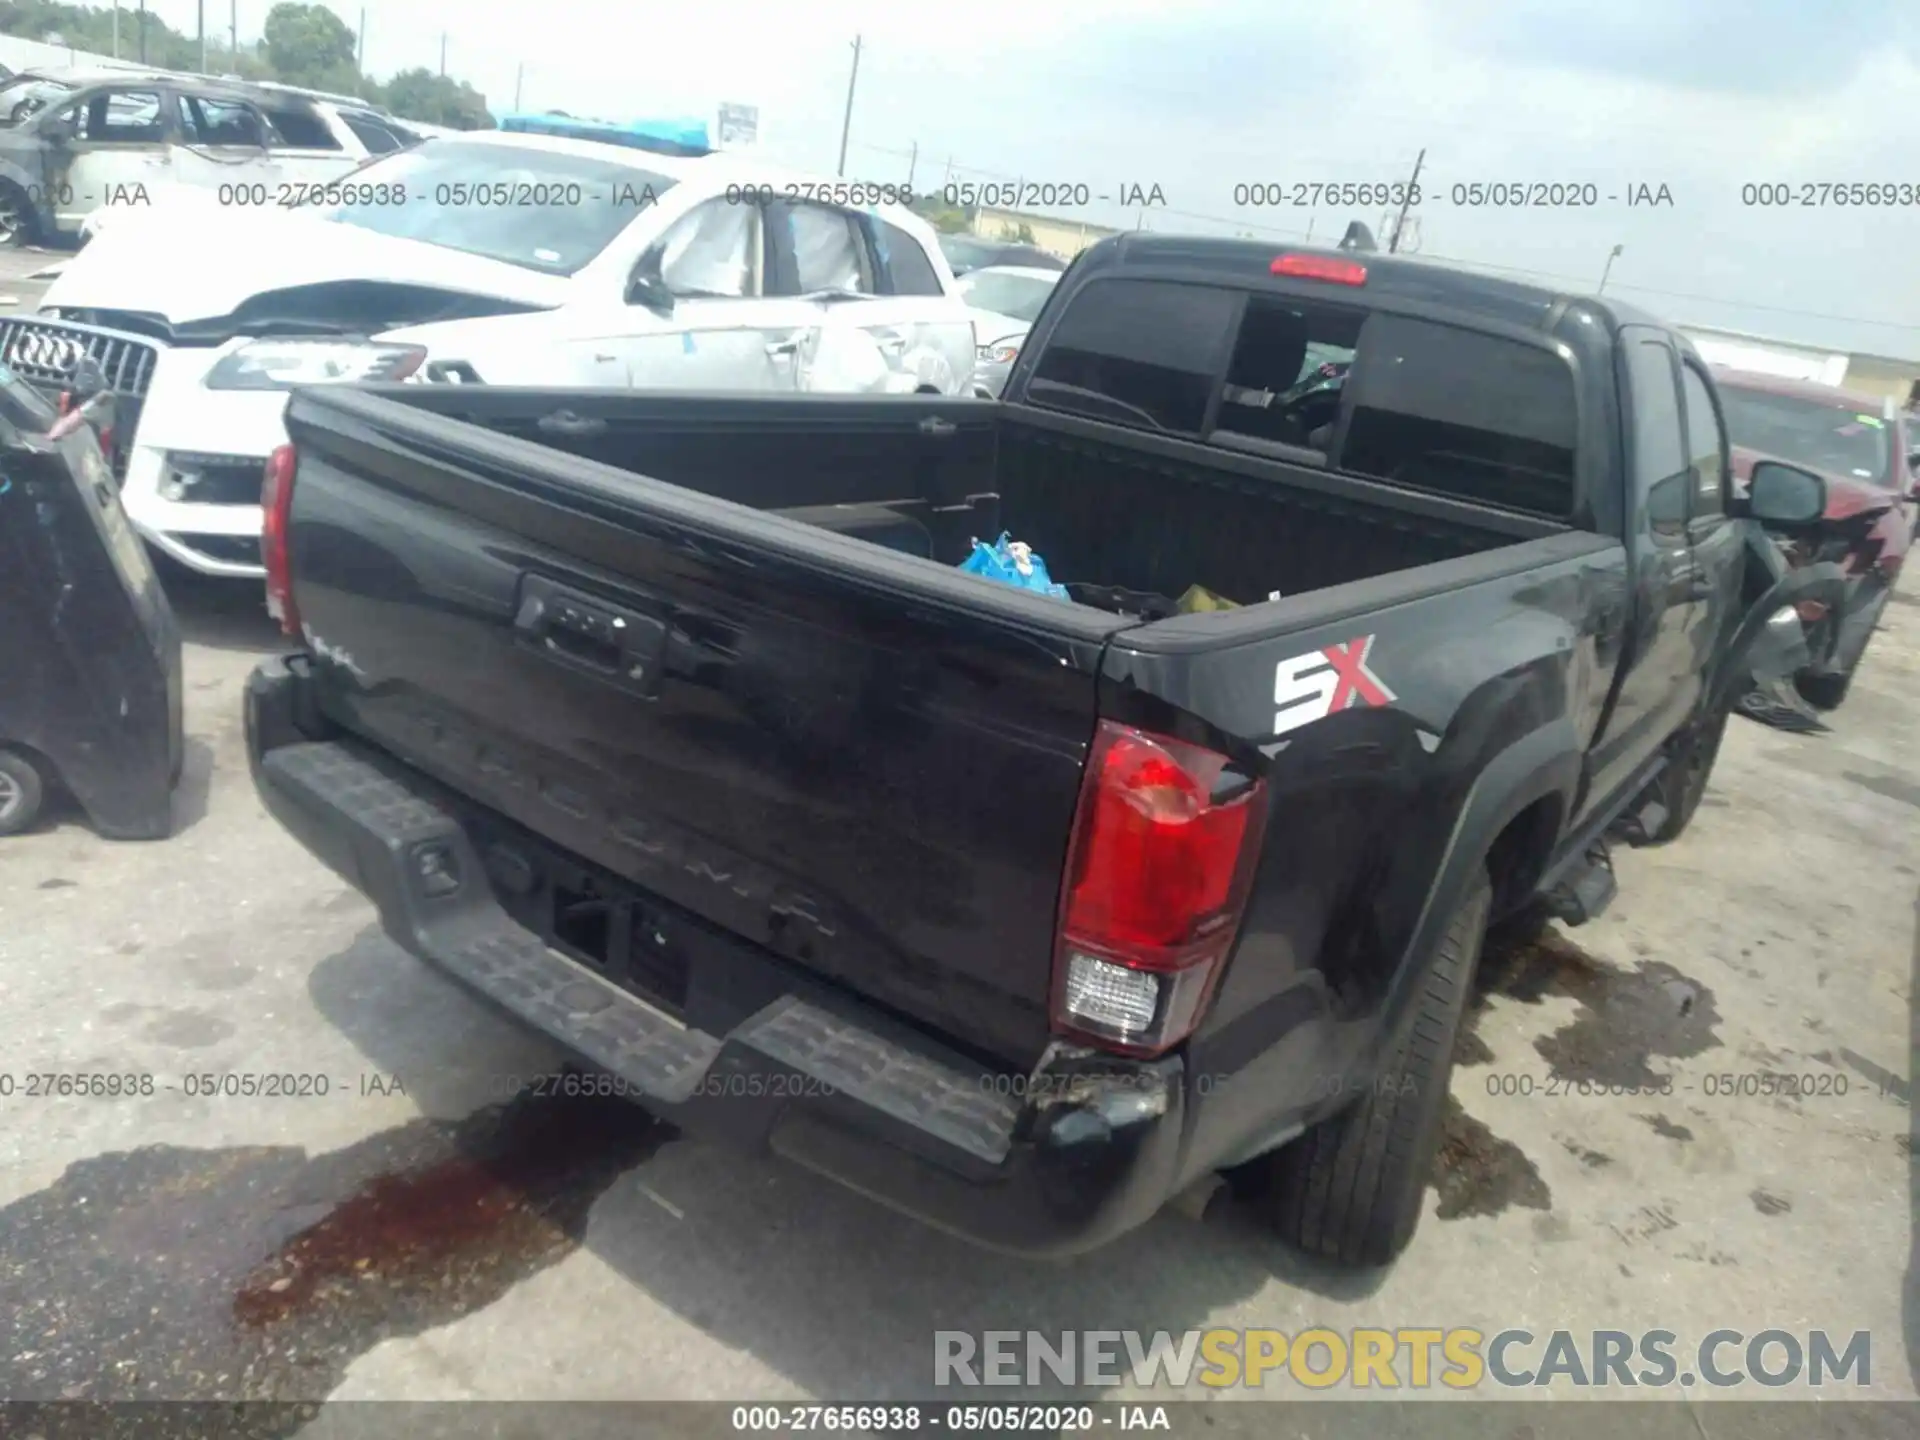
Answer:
(668, 723)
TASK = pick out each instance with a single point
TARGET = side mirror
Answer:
(645, 287)
(60, 129)
(1785, 494)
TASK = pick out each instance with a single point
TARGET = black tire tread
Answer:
(1352, 1187)
(1683, 802)
(1825, 692)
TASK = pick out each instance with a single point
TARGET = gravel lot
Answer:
(408, 1237)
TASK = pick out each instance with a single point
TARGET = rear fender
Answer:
(1546, 762)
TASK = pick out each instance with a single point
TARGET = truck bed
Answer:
(674, 717)
(1105, 507)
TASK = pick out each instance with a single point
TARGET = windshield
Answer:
(24, 98)
(549, 212)
(1005, 293)
(1815, 433)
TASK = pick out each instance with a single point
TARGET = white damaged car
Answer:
(487, 258)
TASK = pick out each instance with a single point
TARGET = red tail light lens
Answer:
(276, 509)
(1157, 875)
(1320, 267)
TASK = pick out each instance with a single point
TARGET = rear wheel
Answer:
(21, 792)
(1353, 1187)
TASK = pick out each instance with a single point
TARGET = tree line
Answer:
(306, 45)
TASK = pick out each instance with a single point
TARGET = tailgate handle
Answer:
(565, 422)
(623, 647)
(934, 425)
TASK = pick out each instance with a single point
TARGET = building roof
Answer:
(1721, 333)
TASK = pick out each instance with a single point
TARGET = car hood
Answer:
(990, 326)
(248, 261)
(1847, 495)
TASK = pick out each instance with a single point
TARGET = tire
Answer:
(18, 226)
(1825, 692)
(1683, 784)
(21, 792)
(1353, 1187)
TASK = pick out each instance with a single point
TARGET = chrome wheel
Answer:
(11, 797)
(15, 220)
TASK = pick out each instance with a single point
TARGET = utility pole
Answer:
(1400, 220)
(443, 54)
(846, 122)
(360, 43)
(143, 32)
(913, 159)
(1612, 255)
(233, 34)
(203, 36)
(519, 74)
(116, 29)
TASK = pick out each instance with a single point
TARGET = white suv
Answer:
(489, 258)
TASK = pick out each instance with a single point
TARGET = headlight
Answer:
(282, 364)
(1001, 352)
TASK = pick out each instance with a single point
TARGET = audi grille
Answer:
(45, 353)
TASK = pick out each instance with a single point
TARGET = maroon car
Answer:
(1864, 448)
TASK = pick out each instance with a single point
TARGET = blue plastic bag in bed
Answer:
(1012, 563)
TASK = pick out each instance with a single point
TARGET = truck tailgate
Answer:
(860, 760)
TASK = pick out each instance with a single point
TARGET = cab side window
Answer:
(225, 123)
(1660, 471)
(906, 262)
(828, 250)
(1706, 446)
(120, 117)
(713, 252)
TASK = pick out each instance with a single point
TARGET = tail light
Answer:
(1812, 611)
(276, 509)
(1158, 870)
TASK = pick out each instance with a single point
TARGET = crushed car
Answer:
(75, 144)
(90, 703)
(1863, 447)
(488, 258)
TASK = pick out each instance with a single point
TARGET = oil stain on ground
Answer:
(1626, 1017)
(261, 1272)
(1477, 1173)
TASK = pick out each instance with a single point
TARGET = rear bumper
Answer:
(1087, 1150)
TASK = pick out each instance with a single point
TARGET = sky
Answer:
(1197, 97)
